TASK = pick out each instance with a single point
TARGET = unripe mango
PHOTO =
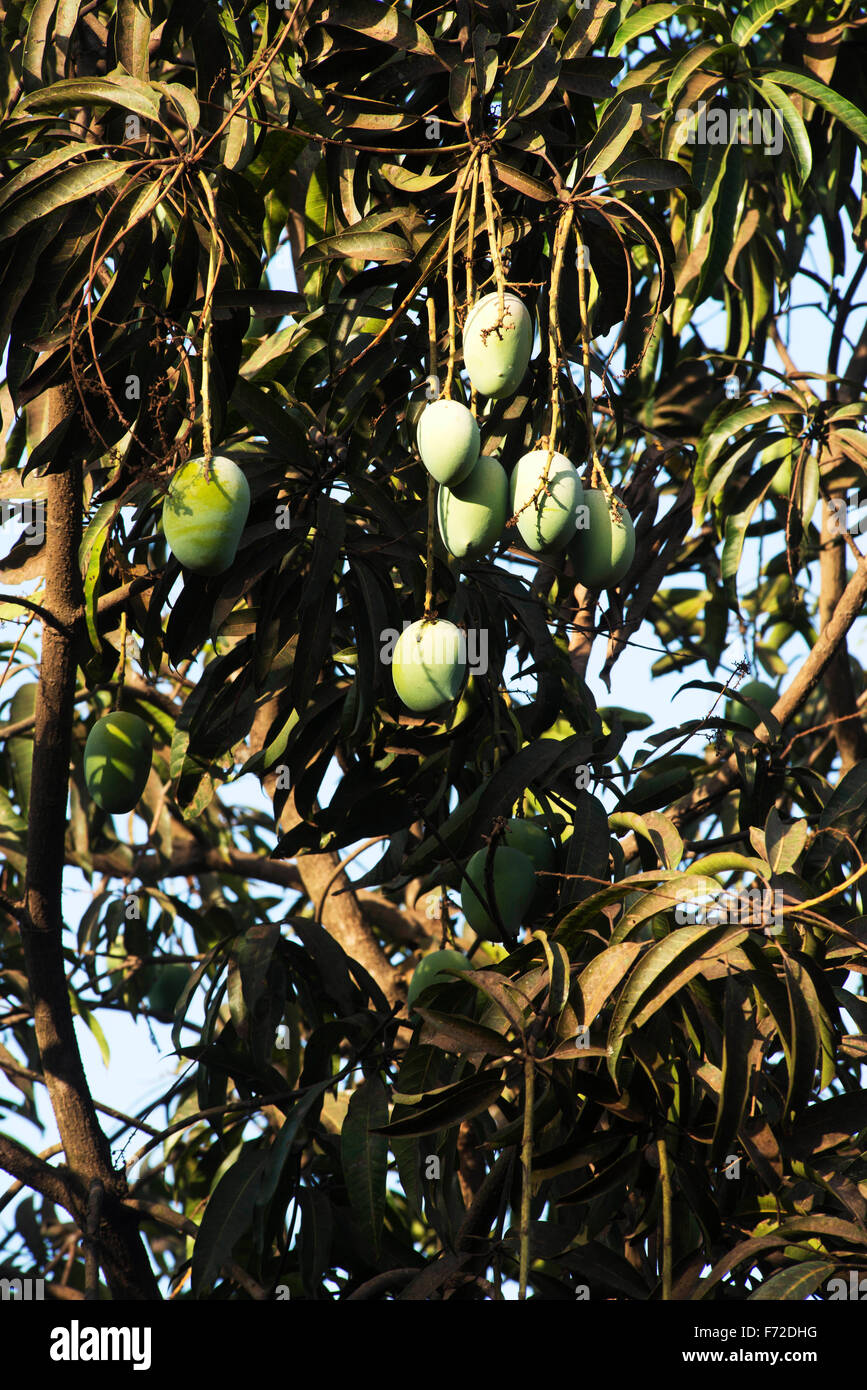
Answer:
(428, 664)
(168, 984)
(203, 518)
(431, 970)
(604, 546)
(472, 515)
(495, 357)
(448, 441)
(781, 451)
(756, 690)
(117, 760)
(21, 746)
(531, 839)
(514, 886)
(549, 522)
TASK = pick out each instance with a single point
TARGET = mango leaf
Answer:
(598, 980)
(84, 181)
(364, 1158)
(802, 1054)
(738, 1034)
(850, 794)
(665, 969)
(793, 1285)
(831, 101)
(535, 32)
(450, 1105)
(620, 122)
(227, 1216)
(793, 126)
(754, 17)
(386, 24)
(784, 843)
(460, 1035)
(119, 90)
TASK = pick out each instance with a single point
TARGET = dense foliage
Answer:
(620, 1104)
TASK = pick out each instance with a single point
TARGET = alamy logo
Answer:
(31, 515)
(753, 907)
(76, 1343)
(857, 1288)
(472, 648)
(843, 515)
(716, 125)
(27, 1290)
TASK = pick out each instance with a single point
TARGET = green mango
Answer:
(514, 888)
(603, 549)
(428, 664)
(782, 451)
(472, 515)
(551, 520)
(117, 760)
(496, 359)
(168, 985)
(431, 971)
(754, 690)
(203, 518)
(21, 747)
(531, 839)
(448, 441)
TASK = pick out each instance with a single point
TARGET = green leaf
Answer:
(406, 181)
(82, 182)
(795, 1284)
(617, 127)
(645, 175)
(536, 31)
(669, 965)
(793, 127)
(585, 29)
(387, 24)
(227, 1216)
(132, 36)
(522, 182)
(37, 38)
(850, 794)
(738, 1036)
(600, 978)
(122, 91)
(693, 58)
(754, 18)
(656, 828)
(452, 1034)
(797, 81)
(364, 1157)
(784, 843)
(647, 17)
(449, 1106)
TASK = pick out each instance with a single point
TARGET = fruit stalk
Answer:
(665, 1179)
(431, 482)
(213, 267)
(450, 268)
(561, 236)
(471, 234)
(487, 185)
(526, 1169)
(598, 472)
(121, 665)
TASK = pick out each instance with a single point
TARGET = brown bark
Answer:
(87, 1151)
(849, 734)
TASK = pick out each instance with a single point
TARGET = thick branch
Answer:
(86, 1147)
